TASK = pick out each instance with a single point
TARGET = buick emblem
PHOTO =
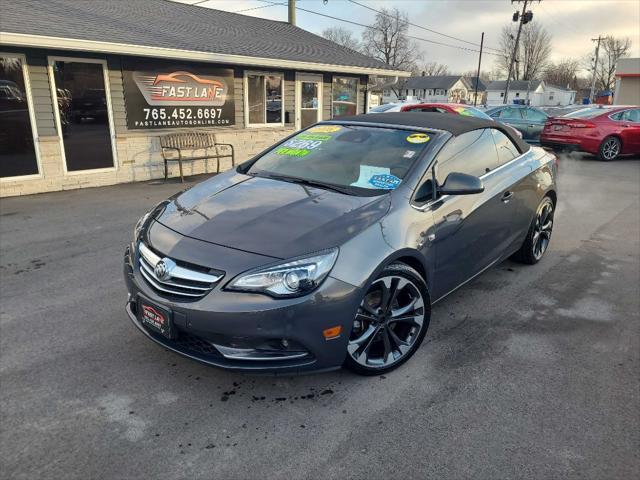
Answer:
(163, 268)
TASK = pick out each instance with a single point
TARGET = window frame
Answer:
(357, 79)
(245, 92)
(56, 112)
(32, 119)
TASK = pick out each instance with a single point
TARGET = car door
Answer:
(471, 231)
(535, 120)
(630, 130)
(512, 116)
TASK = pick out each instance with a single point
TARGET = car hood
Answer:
(269, 217)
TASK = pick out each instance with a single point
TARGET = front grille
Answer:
(178, 281)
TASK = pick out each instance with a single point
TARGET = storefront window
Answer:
(17, 151)
(345, 96)
(84, 117)
(264, 99)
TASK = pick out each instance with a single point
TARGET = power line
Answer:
(380, 12)
(261, 6)
(369, 26)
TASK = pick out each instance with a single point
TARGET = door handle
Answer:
(506, 196)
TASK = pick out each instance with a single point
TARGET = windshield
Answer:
(469, 111)
(354, 158)
(382, 108)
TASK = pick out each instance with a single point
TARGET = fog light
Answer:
(331, 333)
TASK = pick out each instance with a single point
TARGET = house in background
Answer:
(470, 82)
(558, 96)
(536, 93)
(519, 91)
(437, 89)
(627, 90)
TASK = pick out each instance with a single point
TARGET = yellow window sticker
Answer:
(325, 129)
(418, 138)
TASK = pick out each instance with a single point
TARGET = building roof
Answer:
(514, 85)
(455, 124)
(162, 28)
(470, 83)
(558, 87)
(426, 82)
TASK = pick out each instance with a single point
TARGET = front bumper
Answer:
(245, 331)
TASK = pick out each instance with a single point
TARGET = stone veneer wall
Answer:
(138, 159)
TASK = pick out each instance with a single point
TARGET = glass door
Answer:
(309, 100)
(83, 115)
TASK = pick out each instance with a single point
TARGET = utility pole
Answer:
(522, 19)
(595, 68)
(292, 12)
(475, 96)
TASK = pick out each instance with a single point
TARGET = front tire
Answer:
(539, 234)
(391, 322)
(609, 149)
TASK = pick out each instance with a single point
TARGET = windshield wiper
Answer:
(307, 182)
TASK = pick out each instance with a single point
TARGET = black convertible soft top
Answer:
(455, 124)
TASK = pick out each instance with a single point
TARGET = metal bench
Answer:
(178, 143)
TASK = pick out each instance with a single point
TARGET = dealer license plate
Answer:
(155, 318)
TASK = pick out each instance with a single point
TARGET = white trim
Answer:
(32, 120)
(306, 77)
(56, 110)
(245, 95)
(357, 92)
(42, 41)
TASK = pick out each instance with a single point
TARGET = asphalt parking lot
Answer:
(526, 372)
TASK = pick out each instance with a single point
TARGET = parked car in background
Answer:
(528, 120)
(391, 107)
(607, 132)
(329, 248)
(453, 108)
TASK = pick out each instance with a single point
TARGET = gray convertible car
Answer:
(330, 247)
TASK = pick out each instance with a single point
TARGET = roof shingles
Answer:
(166, 24)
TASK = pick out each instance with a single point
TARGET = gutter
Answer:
(41, 41)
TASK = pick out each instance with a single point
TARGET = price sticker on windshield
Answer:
(418, 138)
(325, 129)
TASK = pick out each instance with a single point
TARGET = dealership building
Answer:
(88, 88)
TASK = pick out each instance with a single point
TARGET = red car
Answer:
(455, 108)
(603, 131)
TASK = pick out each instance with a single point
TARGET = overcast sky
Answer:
(572, 23)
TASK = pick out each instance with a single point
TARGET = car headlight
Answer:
(291, 279)
(140, 225)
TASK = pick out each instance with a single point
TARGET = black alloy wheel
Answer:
(539, 235)
(391, 321)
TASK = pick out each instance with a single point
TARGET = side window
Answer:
(510, 113)
(534, 115)
(473, 153)
(507, 151)
(617, 116)
(631, 115)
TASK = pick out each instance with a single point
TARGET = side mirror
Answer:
(458, 183)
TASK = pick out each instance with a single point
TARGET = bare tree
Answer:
(532, 55)
(342, 36)
(432, 69)
(563, 73)
(611, 50)
(387, 40)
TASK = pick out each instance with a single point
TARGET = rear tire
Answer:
(539, 234)
(609, 149)
(391, 322)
